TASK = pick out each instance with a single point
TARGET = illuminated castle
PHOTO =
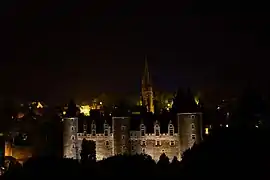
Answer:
(125, 134)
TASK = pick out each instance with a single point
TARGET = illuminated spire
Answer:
(146, 76)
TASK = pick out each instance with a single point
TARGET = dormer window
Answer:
(106, 129)
(106, 133)
(171, 129)
(84, 127)
(157, 130)
(93, 128)
(142, 130)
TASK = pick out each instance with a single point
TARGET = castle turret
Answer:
(147, 90)
(189, 119)
(70, 130)
(70, 146)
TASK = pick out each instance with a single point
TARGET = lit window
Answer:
(193, 136)
(143, 143)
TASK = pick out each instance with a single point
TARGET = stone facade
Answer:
(121, 138)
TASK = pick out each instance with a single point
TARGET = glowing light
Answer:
(39, 105)
(196, 99)
(85, 110)
(227, 125)
(64, 112)
(100, 103)
(206, 131)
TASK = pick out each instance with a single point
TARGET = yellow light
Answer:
(206, 131)
(39, 105)
(100, 103)
(196, 99)
(64, 112)
(85, 110)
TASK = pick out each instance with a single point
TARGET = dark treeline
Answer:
(225, 153)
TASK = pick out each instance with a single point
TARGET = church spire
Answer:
(147, 91)
(146, 76)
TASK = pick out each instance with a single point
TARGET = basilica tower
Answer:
(147, 90)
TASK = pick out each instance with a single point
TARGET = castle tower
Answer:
(147, 90)
(189, 120)
(120, 129)
(189, 129)
(70, 139)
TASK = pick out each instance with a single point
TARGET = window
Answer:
(143, 143)
(131, 134)
(142, 130)
(143, 150)
(84, 127)
(171, 130)
(106, 132)
(158, 143)
(72, 128)
(132, 148)
(192, 117)
(93, 132)
(123, 128)
(172, 143)
(192, 126)
(157, 132)
(107, 143)
(73, 146)
(123, 137)
(73, 137)
(193, 136)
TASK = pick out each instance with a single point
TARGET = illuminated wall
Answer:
(20, 153)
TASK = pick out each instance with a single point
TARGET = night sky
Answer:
(59, 50)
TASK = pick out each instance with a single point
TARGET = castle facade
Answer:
(122, 137)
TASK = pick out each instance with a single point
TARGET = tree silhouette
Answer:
(88, 152)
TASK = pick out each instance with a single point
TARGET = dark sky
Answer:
(62, 49)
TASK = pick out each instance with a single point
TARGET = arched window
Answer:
(73, 137)
(142, 130)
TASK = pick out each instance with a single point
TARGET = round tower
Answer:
(190, 129)
(70, 145)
